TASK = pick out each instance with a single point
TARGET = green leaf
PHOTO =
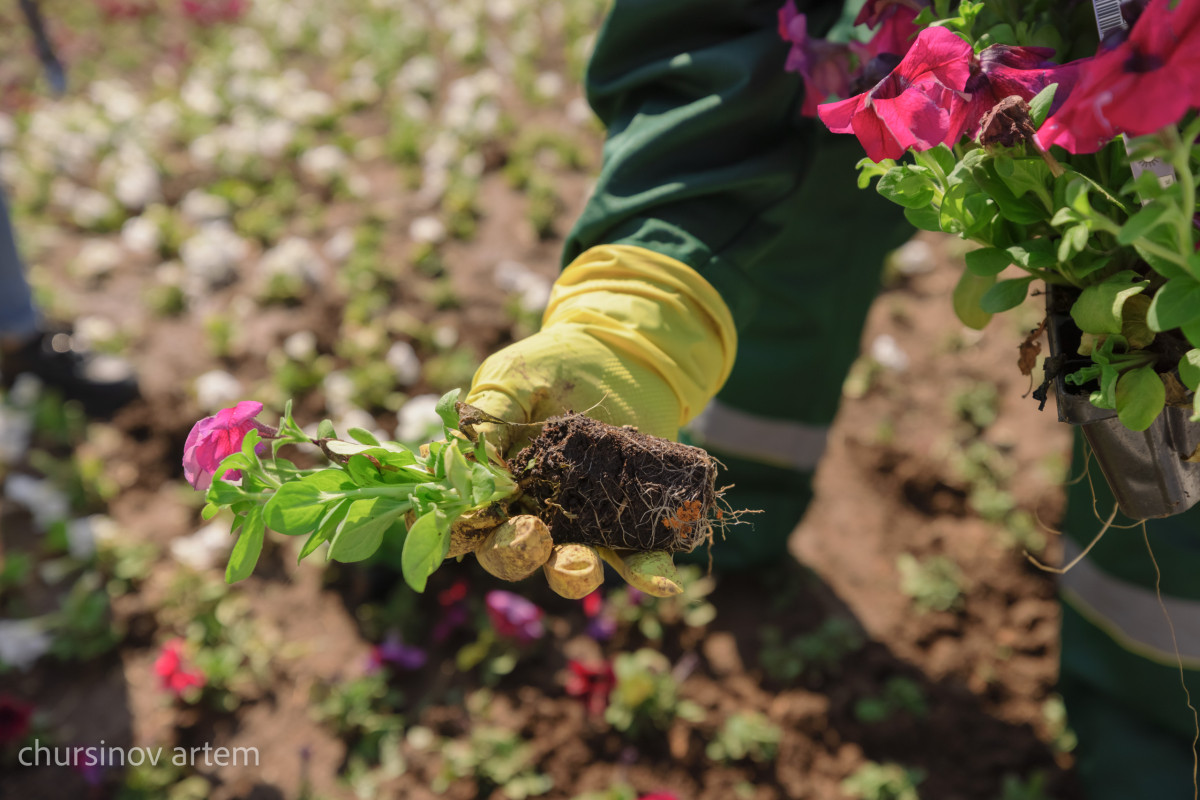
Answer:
(363, 435)
(363, 472)
(1098, 309)
(425, 547)
(209, 511)
(907, 185)
(967, 296)
(1033, 254)
(1140, 398)
(483, 485)
(445, 408)
(1189, 369)
(1039, 106)
(1005, 295)
(1142, 223)
(296, 506)
(1174, 305)
(924, 218)
(987, 261)
(249, 442)
(457, 471)
(361, 533)
(1074, 240)
(325, 430)
(326, 528)
(248, 547)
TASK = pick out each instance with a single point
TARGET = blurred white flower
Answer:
(16, 431)
(206, 548)
(95, 331)
(44, 500)
(339, 392)
(914, 257)
(579, 112)
(419, 74)
(199, 206)
(213, 255)
(217, 389)
(886, 351)
(323, 164)
(293, 259)
(198, 95)
(417, 420)
(275, 136)
(339, 246)
(137, 185)
(307, 107)
(534, 289)
(427, 230)
(402, 358)
(22, 642)
(445, 336)
(81, 536)
(8, 131)
(354, 417)
(300, 346)
(141, 235)
(250, 52)
(119, 100)
(549, 85)
(90, 208)
(97, 258)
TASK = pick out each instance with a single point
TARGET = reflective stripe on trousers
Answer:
(783, 443)
(1131, 614)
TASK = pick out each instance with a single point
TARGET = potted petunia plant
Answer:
(1061, 138)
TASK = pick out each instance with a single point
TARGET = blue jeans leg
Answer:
(17, 314)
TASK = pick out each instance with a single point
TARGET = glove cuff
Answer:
(654, 311)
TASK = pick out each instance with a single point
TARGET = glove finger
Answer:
(515, 549)
(574, 570)
(651, 571)
(469, 531)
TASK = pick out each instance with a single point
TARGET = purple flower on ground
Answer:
(395, 652)
(513, 616)
(600, 626)
(213, 438)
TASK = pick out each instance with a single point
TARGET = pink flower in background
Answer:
(213, 438)
(395, 652)
(1145, 83)
(174, 673)
(659, 796)
(15, 719)
(894, 19)
(513, 616)
(453, 601)
(591, 682)
(212, 12)
(601, 625)
(824, 65)
(920, 104)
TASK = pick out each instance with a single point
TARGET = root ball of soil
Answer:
(602, 485)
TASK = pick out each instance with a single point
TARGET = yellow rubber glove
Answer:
(630, 337)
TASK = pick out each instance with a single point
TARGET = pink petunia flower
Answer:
(1002, 71)
(920, 104)
(213, 438)
(896, 29)
(15, 719)
(591, 682)
(513, 616)
(1145, 83)
(659, 796)
(174, 673)
(600, 625)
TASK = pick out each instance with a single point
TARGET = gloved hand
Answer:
(630, 337)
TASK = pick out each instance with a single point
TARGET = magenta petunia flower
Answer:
(659, 796)
(174, 673)
(513, 616)
(1002, 71)
(15, 719)
(213, 438)
(395, 652)
(920, 104)
(1145, 83)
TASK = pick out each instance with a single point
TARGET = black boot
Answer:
(101, 383)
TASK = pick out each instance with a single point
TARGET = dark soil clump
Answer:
(602, 485)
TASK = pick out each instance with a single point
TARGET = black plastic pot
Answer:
(1146, 469)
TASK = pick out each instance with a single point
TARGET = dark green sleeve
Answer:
(706, 151)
